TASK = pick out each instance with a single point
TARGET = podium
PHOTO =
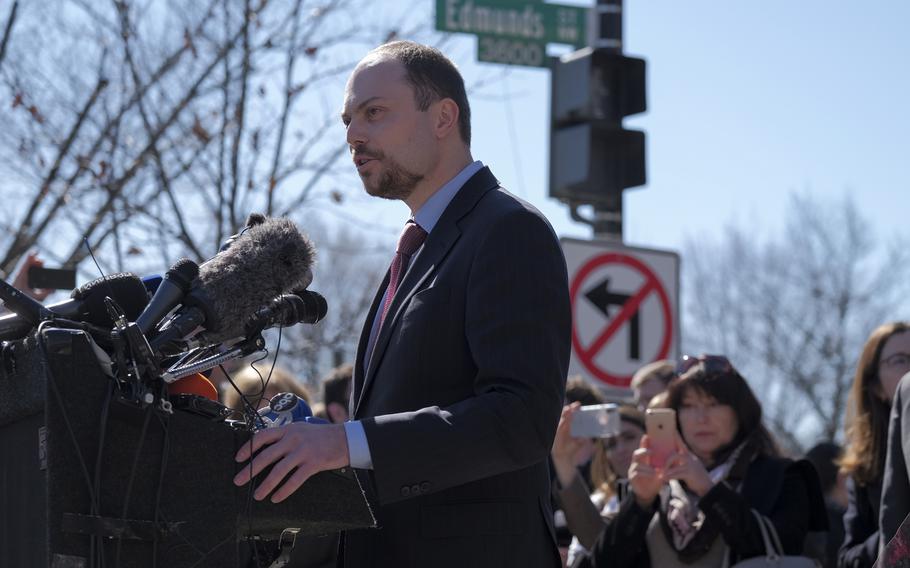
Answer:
(87, 479)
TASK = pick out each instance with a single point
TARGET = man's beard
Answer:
(395, 181)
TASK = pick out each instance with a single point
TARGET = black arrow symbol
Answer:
(602, 298)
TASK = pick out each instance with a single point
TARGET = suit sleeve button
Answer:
(425, 486)
(405, 491)
(415, 489)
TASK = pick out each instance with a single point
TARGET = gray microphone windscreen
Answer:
(267, 260)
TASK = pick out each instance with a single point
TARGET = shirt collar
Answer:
(430, 212)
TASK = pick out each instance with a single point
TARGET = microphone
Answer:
(151, 282)
(251, 221)
(171, 291)
(196, 384)
(86, 304)
(287, 310)
(21, 304)
(285, 408)
(265, 261)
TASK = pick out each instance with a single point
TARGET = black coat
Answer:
(860, 547)
(895, 503)
(785, 491)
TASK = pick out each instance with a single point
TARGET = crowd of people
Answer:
(621, 504)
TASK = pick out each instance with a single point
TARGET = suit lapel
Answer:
(438, 244)
(364, 343)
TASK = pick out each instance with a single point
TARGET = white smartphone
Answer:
(660, 425)
(595, 421)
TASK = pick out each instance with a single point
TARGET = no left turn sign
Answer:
(625, 304)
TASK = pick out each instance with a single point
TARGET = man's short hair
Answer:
(336, 386)
(433, 77)
(580, 390)
(664, 370)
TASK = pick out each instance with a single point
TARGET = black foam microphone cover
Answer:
(125, 288)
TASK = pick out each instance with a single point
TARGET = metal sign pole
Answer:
(607, 221)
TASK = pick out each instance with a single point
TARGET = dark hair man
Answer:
(460, 370)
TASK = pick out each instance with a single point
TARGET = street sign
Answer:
(514, 31)
(625, 308)
(528, 53)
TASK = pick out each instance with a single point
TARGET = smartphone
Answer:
(595, 421)
(51, 278)
(660, 425)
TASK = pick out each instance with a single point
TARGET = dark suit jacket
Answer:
(463, 392)
(861, 535)
(895, 505)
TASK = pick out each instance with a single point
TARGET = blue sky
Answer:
(748, 102)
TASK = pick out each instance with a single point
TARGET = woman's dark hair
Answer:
(730, 388)
(433, 77)
(867, 412)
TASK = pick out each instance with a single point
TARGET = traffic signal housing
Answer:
(592, 157)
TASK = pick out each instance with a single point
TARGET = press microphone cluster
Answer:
(199, 315)
(263, 262)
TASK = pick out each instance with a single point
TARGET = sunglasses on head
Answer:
(710, 363)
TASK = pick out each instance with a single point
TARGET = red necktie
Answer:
(411, 239)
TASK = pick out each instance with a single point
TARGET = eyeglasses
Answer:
(711, 363)
(897, 360)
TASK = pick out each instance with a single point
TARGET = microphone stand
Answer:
(183, 369)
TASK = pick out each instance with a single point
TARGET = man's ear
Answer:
(447, 113)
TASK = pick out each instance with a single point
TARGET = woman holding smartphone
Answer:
(693, 489)
(584, 510)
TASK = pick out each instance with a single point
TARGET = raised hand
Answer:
(644, 479)
(685, 466)
(566, 449)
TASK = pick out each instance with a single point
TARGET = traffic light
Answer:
(592, 157)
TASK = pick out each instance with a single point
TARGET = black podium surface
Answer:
(148, 488)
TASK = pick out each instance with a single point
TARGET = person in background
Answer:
(825, 456)
(584, 511)
(895, 506)
(580, 391)
(585, 394)
(251, 382)
(697, 507)
(651, 380)
(882, 362)
(336, 393)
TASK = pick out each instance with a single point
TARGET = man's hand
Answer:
(298, 449)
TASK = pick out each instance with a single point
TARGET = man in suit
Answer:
(895, 504)
(461, 365)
